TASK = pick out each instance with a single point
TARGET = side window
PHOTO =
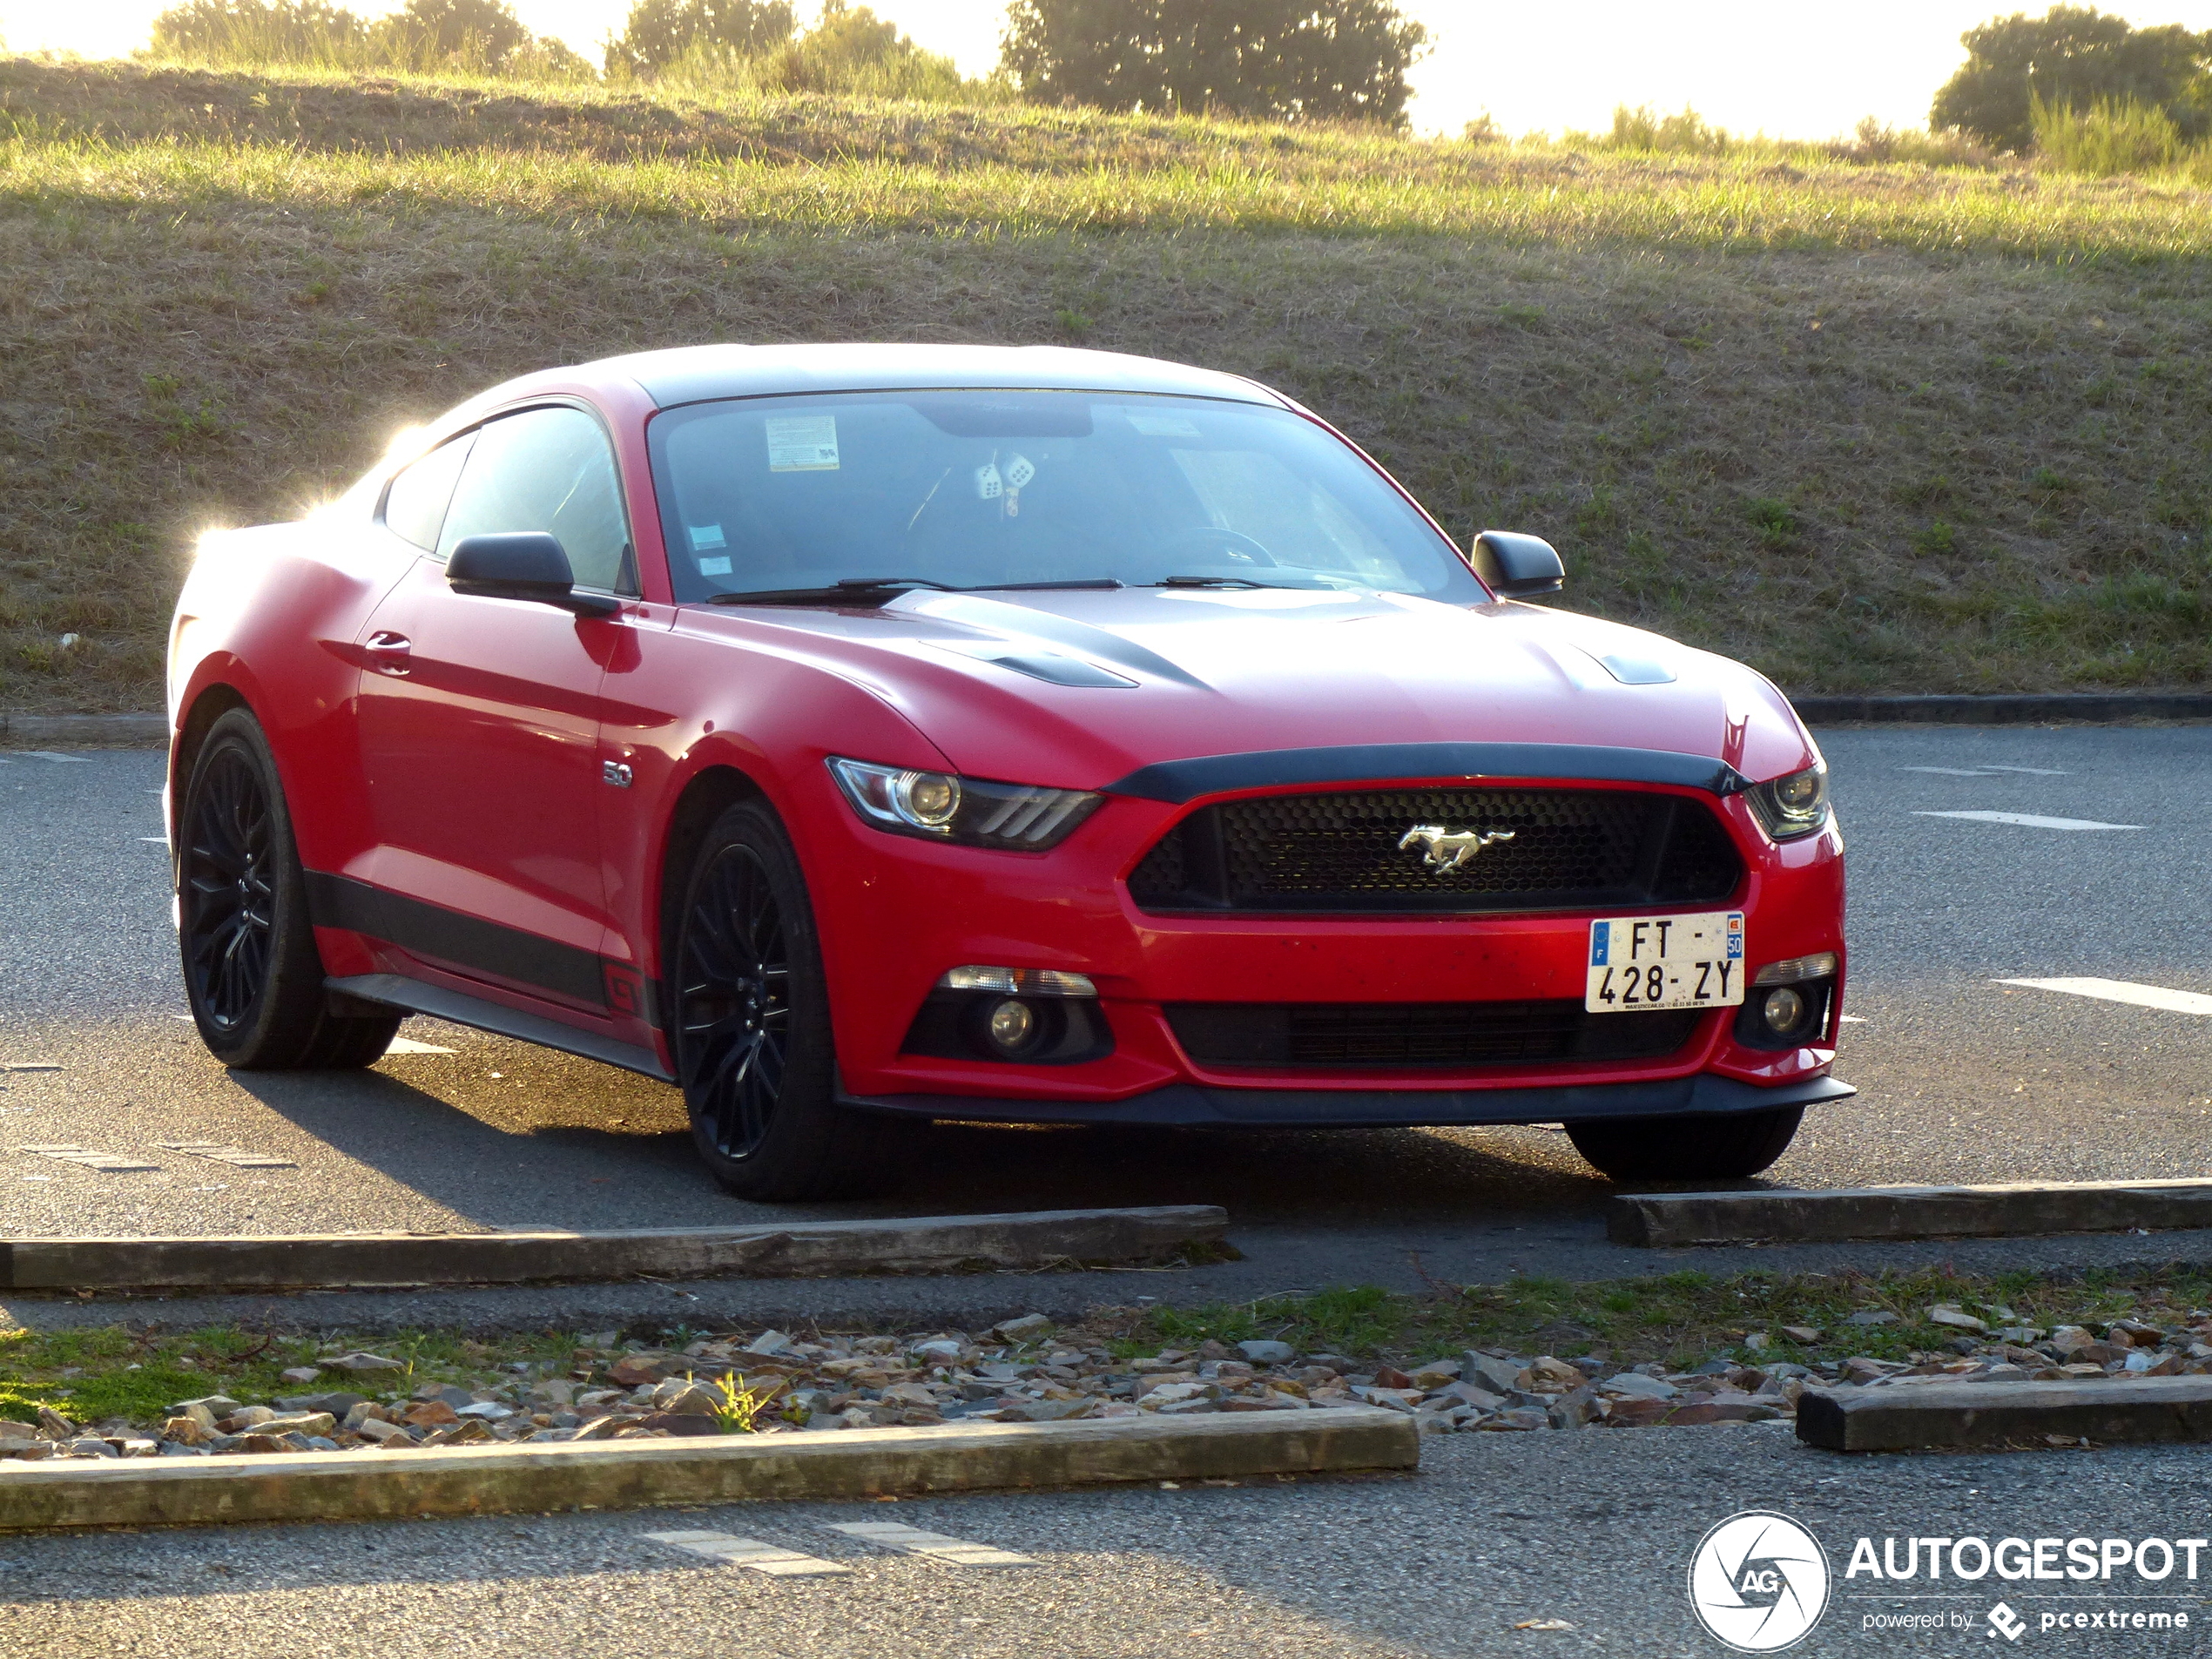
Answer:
(415, 504)
(551, 471)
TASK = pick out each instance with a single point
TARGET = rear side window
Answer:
(550, 471)
(415, 504)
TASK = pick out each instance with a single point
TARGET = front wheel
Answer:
(252, 971)
(753, 1047)
(1705, 1148)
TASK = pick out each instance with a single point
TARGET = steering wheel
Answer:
(1234, 541)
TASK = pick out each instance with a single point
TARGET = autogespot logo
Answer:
(1758, 1581)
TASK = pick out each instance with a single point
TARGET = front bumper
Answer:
(895, 913)
(1194, 1106)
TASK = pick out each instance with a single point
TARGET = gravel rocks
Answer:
(1027, 1370)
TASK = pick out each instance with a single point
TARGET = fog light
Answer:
(1781, 1011)
(1011, 1024)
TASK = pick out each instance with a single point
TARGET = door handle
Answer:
(387, 652)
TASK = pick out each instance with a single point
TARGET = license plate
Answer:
(1666, 962)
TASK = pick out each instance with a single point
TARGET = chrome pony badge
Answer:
(1447, 848)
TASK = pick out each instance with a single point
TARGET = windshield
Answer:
(984, 489)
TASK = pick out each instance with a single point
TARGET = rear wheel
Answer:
(252, 972)
(754, 1048)
(1709, 1148)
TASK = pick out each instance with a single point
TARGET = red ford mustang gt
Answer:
(850, 733)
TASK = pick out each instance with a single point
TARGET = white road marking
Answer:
(1988, 771)
(2033, 820)
(159, 840)
(890, 1534)
(106, 1163)
(2120, 990)
(1854, 1019)
(236, 1156)
(30, 1065)
(48, 754)
(748, 1552)
(409, 1045)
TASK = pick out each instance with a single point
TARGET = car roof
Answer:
(697, 373)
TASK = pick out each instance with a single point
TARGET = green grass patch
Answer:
(1680, 1318)
(1867, 426)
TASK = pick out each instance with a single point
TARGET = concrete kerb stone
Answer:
(2006, 708)
(1915, 1416)
(83, 730)
(921, 1244)
(852, 1464)
(2019, 1209)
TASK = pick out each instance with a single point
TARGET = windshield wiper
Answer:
(1214, 582)
(851, 587)
(1041, 587)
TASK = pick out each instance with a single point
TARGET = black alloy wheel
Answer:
(228, 887)
(733, 1009)
(750, 1013)
(252, 972)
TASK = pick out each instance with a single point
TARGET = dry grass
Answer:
(1954, 438)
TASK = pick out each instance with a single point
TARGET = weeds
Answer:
(738, 1404)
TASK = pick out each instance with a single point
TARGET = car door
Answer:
(480, 720)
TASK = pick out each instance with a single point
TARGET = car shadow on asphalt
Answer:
(520, 1169)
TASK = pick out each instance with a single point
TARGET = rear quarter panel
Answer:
(272, 617)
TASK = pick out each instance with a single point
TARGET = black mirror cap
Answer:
(520, 564)
(1514, 566)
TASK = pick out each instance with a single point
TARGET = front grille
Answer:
(1322, 1035)
(1572, 849)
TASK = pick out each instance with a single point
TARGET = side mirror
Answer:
(520, 564)
(1514, 566)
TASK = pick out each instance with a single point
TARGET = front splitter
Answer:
(1197, 1106)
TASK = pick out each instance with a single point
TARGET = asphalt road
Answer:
(1961, 1078)
(1595, 1529)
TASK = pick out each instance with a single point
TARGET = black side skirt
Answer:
(394, 990)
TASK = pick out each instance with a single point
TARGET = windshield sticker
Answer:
(715, 567)
(1164, 426)
(802, 443)
(705, 537)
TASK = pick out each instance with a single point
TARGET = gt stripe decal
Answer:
(430, 930)
(1178, 781)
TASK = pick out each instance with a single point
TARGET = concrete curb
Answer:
(328, 1261)
(2007, 708)
(622, 1474)
(84, 731)
(1899, 1418)
(2006, 1210)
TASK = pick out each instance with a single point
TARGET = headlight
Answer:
(970, 811)
(1794, 806)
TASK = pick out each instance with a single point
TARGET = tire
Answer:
(252, 972)
(1705, 1148)
(750, 1008)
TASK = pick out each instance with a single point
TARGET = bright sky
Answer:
(1789, 70)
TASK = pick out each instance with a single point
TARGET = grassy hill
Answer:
(1884, 427)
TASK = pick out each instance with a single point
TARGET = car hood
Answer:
(1080, 688)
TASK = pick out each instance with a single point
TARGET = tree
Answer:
(660, 32)
(483, 31)
(1330, 60)
(224, 31)
(2073, 58)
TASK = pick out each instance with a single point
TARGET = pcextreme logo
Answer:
(1758, 1581)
